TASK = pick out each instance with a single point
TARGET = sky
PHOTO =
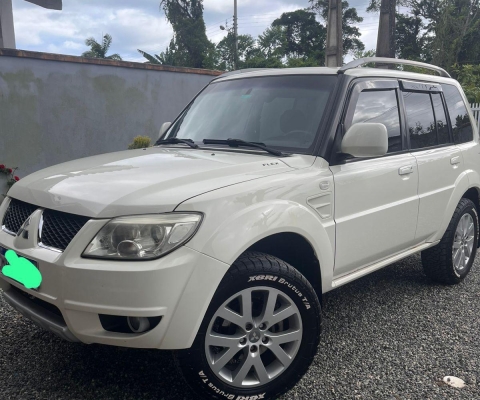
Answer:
(141, 24)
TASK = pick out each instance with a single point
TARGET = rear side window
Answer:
(380, 106)
(440, 118)
(421, 120)
(461, 124)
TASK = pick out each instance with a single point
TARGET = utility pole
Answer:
(7, 31)
(334, 51)
(386, 29)
(235, 30)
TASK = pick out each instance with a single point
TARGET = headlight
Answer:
(143, 237)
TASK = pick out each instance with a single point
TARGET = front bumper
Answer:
(177, 287)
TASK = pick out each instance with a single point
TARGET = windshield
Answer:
(281, 111)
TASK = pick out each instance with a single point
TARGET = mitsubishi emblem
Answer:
(23, 230)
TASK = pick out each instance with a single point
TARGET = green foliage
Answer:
(351, 34)
(190, 46)
(469, 77)
(140, 142)
(225, 51)
(303, 38)
(410, 39)
(100, 50)
(296, 38)
(443, 32)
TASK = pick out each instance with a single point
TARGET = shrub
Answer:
(10, 174)
(140, 142)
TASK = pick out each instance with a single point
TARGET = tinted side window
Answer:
(441, 118)
(381, 107)
(461, 124)
(420, 120)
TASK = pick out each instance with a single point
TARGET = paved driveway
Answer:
(391, 335)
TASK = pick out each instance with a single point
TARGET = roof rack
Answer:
(385, 60)
(241, 71)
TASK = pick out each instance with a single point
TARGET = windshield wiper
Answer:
(174, 140)
(239, 142)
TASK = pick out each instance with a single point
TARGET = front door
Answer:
(376, 200)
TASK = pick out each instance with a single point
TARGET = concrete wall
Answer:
(58, 108)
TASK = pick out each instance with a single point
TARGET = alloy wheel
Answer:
(253, 337)
(463, 242)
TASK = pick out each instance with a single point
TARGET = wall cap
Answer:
(97, 61)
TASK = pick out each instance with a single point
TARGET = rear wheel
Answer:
(451, 260)
(259, 335)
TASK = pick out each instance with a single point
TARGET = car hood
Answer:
(147, 181)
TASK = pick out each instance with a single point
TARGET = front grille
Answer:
(60, 228)
(17, 213)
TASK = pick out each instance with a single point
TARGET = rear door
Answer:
(439, 160)
(376, 201)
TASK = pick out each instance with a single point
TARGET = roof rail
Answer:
(385, 60)
(241, 71)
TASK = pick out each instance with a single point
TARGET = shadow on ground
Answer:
(390, 335)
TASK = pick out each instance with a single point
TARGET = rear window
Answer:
(459, 117)
(421, 120)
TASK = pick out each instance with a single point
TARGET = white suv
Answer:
(271, 188)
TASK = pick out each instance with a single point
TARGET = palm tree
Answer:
(98, 50)
(152, 58)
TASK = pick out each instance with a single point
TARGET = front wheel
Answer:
(259, 335)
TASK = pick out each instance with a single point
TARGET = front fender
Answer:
(226, 235)
(251, 225)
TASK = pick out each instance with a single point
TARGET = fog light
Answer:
(138, 324)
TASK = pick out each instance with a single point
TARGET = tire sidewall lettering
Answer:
(228, 396)
(284, 283)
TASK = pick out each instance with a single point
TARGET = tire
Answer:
(443, 263)
(262, 277)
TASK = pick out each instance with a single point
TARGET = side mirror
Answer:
(164, 129)
(366, 140)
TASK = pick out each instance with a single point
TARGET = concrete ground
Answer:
(391, 335)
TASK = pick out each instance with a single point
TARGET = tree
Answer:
(469, 78)
(98, 50)
(443, 32)
(303, 38)
(172, 56)
(410, 39)
(226, 51)
(190, 46)
(351, 34)
(457, 21)
(272, 42)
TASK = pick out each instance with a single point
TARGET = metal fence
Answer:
(476, 113)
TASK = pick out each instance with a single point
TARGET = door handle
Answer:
(455, 160)
(406, 170)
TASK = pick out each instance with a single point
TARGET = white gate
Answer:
(476, 113)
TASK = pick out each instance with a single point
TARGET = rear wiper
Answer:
(239, 142)
(174, 140)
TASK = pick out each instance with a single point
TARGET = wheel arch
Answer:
(295, 250)
(473, 194)
(463, 188)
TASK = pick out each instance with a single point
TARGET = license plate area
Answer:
(25, 272)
